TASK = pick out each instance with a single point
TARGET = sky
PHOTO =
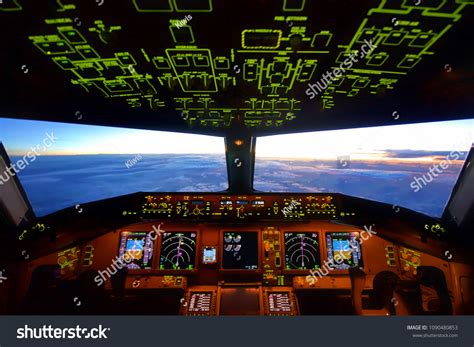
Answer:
(370, 143)
(18, 136)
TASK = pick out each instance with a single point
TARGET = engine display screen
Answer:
(200, 303)
(343, 250)
(279, 302)
(136, 250)
(178, 251)
(302, 251)
(240, 251)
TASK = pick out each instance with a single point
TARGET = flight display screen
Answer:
(136, 250)
(200, 303)
(279, 303)
(209, 255)
(344, 250)
(240, 251)
(178, 251)
(302, 251)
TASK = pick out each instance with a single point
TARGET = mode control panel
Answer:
(210, 206)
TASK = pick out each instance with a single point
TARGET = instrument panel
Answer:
(245, 207)
(268, 251)
(212, 265)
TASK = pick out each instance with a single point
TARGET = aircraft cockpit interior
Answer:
(250, 158)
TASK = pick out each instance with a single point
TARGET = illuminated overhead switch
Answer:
(125, 58)
(377, 59)
(409, 61)
(361, 82)
(87, 52)
(422, 40)
(321, 39)
(307, 70)
(64, 63)
(193, 5)
(161, 63)
(201, 61)
(71, 35)
(368, 35)
(221, 63)
(52, 45)
(88, 70)
(180, 61)
(116, 86)
(153, 5)
(250, 71)
(293, 5)
(344, 55)
(182, 35)
(395, 38)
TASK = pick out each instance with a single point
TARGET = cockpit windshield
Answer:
(61, 165)
(413, 166)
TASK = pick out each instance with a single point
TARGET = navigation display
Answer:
(343, 250)
(178, 251)
(302, 251)
(240, 251)
(136, 250)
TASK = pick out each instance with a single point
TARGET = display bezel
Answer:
(321, 254)
(202, 255)
(221, 250)
(153, 257)
(343, 271)
(196, 255)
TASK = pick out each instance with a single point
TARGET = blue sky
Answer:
(19, 136)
